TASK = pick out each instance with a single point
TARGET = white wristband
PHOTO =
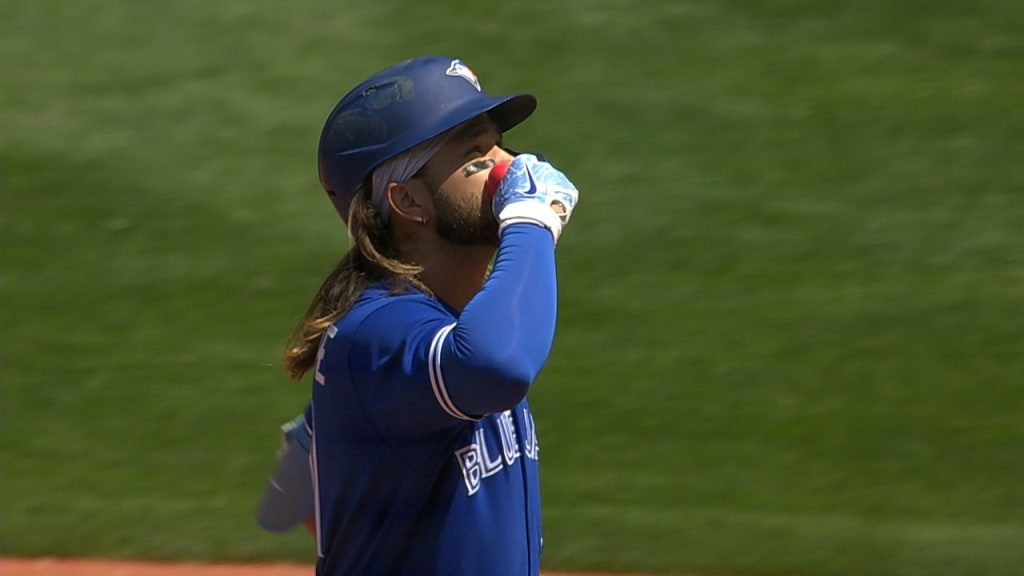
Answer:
(532, 212)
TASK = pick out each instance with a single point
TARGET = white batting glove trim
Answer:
(534, 213)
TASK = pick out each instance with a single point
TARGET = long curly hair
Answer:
(372, 259)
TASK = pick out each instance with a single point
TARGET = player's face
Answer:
(462, 210)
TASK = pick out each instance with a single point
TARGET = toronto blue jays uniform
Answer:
(424, 453)
(422, 450)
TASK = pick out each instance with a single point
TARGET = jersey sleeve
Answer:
(418, 368)
(489, 359)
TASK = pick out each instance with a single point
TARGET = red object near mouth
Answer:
(494, 178)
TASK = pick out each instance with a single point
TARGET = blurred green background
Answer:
(792, 300)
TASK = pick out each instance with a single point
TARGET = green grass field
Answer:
(791, 335)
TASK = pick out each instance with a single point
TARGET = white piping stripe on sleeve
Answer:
(314, 471)
(437, 379)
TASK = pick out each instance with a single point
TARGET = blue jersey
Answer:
(424, 448)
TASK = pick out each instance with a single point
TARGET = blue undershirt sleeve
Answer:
(495, 351)
(417, 369)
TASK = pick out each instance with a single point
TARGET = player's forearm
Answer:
(288, 497)
(504, 335)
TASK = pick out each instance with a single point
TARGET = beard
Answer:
(462, 223)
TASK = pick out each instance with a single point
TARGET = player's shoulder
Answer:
(380, 311)
(379, 300)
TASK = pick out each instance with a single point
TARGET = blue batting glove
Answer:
(534, 191)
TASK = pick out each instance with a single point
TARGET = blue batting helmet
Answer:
(399, 108)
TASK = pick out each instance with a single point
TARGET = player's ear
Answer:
(409, 201)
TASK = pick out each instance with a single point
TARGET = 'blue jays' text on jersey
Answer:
(425, 454)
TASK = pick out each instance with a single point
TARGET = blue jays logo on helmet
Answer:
(399, 108)
(458, 68)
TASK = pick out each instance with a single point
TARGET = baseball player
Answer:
(425, 339)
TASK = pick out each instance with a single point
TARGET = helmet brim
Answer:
(510, 111)
(506, 111)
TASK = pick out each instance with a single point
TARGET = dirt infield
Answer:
(94, 567)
